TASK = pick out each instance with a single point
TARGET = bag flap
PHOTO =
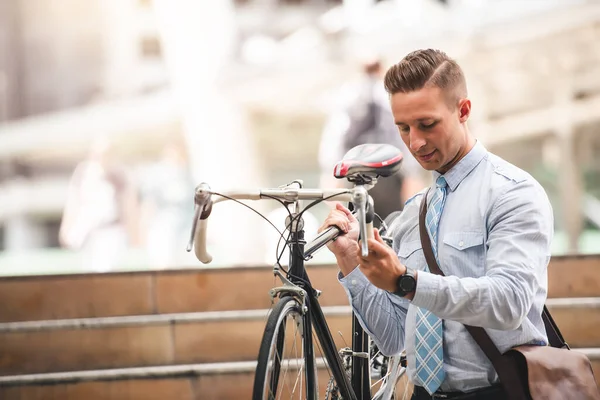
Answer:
(556, 374)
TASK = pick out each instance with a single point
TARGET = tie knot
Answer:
(441, 182)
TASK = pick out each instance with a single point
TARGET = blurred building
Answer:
(68, 72)
(71, 71)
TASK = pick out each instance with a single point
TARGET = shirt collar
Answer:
(464, 167)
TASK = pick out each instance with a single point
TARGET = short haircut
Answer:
(427, 68)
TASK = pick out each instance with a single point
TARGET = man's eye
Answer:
(404, 129)
(428, 126)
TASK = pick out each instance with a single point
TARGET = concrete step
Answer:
(183, 382)
(578, 320)
(153, 292)
(574, 276)
(199, 381)
(210, 289)
(118, 342)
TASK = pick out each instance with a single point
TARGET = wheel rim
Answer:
(286, 375)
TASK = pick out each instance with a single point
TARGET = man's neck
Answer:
(459, 156)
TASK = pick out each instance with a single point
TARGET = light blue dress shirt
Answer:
(494, 243)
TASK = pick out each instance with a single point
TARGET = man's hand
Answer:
(382, 266)
(345, 246)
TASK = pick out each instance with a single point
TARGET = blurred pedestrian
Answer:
(100, 214)
(361, 116)
(167, 211)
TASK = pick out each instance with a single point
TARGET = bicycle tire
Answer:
(268, 382)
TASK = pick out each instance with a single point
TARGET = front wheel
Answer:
(281, 372)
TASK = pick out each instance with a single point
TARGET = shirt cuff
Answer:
(428, 286)
(355, 282)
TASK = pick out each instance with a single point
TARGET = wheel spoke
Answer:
(281, 369)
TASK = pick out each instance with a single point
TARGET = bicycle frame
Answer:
(356, 389)
(298, 284)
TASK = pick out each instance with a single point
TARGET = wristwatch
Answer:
(406, 283)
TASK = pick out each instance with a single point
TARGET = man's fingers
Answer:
(338, 219)
(360, 256)
(365, 264)
(343, 226)
(377, 236)
(377, 249)
(346, 212)
(377, 252)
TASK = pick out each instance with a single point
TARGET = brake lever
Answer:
(202, 209)
(360, 199)
(197, 210)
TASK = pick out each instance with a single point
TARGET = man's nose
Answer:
(416, 141)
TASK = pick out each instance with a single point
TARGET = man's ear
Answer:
(464, 110)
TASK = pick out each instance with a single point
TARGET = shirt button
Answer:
(461, 243)
(353, 282)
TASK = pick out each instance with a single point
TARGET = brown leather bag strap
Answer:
(425, 241)
(555, 338)
(504, 368)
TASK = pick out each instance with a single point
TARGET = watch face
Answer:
(407, 283)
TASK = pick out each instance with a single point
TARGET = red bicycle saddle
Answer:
(369, 159)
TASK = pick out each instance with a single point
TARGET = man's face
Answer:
(431, 127)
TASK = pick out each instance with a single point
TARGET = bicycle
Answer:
(298, 311)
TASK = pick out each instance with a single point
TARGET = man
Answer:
(364, 116)
(491, 226)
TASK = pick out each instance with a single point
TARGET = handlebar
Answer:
(203, 202)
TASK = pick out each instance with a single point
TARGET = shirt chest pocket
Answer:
(464, 248)
(411, 254)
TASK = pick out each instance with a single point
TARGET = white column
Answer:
(22, 233)
(121, 42)
(198, 38)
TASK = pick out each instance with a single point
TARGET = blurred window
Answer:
(2, 245)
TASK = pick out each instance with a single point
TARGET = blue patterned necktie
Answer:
(429, 352)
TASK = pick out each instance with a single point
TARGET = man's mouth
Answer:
(427, 157)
